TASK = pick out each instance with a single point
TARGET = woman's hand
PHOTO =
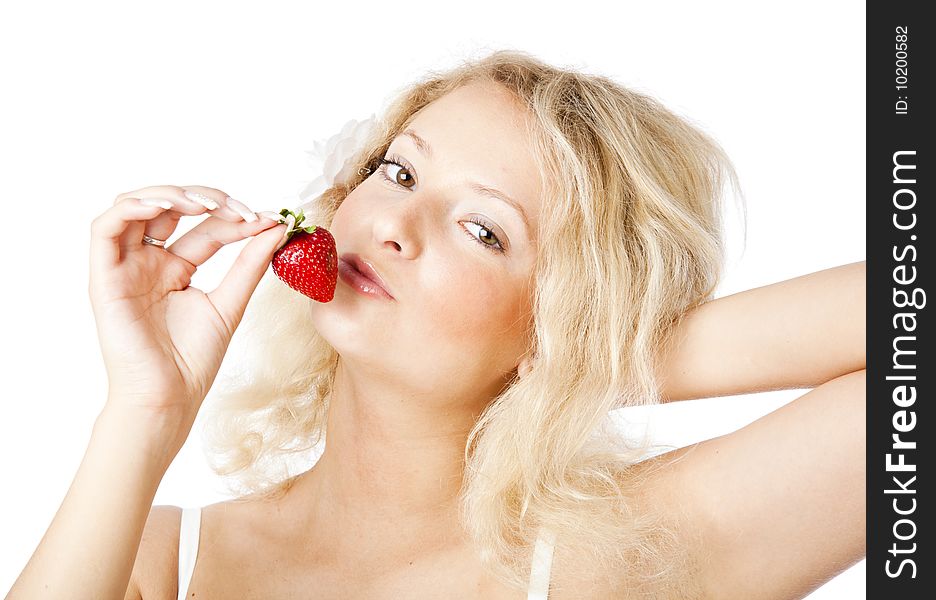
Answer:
(162, 340)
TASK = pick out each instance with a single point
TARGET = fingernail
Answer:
(156, 202)
(290, 222)
(282, 242)
(202, 199)
(268, 214)
(241, 209)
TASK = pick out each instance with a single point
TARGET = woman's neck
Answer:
(392, 467)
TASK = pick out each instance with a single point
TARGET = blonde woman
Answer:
(548, 243)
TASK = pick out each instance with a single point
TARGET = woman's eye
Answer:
(484, 234)
(396, 173)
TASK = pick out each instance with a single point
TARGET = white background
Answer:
(103, 98)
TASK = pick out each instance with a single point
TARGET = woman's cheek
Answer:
(466, 304)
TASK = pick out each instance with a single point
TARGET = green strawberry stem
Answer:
(295, 228)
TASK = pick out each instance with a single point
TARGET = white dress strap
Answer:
(188, 547)
(542, 565)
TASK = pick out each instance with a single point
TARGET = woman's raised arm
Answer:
(779, 504)
(797, 333)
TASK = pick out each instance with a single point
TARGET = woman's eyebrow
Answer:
(422, 145)
(426, 150)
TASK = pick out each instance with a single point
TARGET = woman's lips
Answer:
(361, 276)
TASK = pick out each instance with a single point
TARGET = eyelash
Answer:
(393, 160)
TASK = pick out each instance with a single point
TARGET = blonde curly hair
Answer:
(633, 223)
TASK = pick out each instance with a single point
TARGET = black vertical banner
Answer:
(900, 269)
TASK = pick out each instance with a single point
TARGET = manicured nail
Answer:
(269, 214)
(156, 202)
(241, 209)
(202, 199)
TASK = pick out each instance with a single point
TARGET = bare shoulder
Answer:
(155, 570)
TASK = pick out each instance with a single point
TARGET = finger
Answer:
(205, 239)
(189, 200)
(108, 228)
(227, 208)
(164, 224)
(163, 227)
(187, 205)
(160, 228)
(231, 296)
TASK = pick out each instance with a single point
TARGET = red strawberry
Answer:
(308, 262)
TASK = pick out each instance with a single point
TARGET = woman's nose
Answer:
(404, 225)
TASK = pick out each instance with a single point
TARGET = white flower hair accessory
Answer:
(335, 157)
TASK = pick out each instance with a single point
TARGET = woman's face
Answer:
(461, 291)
